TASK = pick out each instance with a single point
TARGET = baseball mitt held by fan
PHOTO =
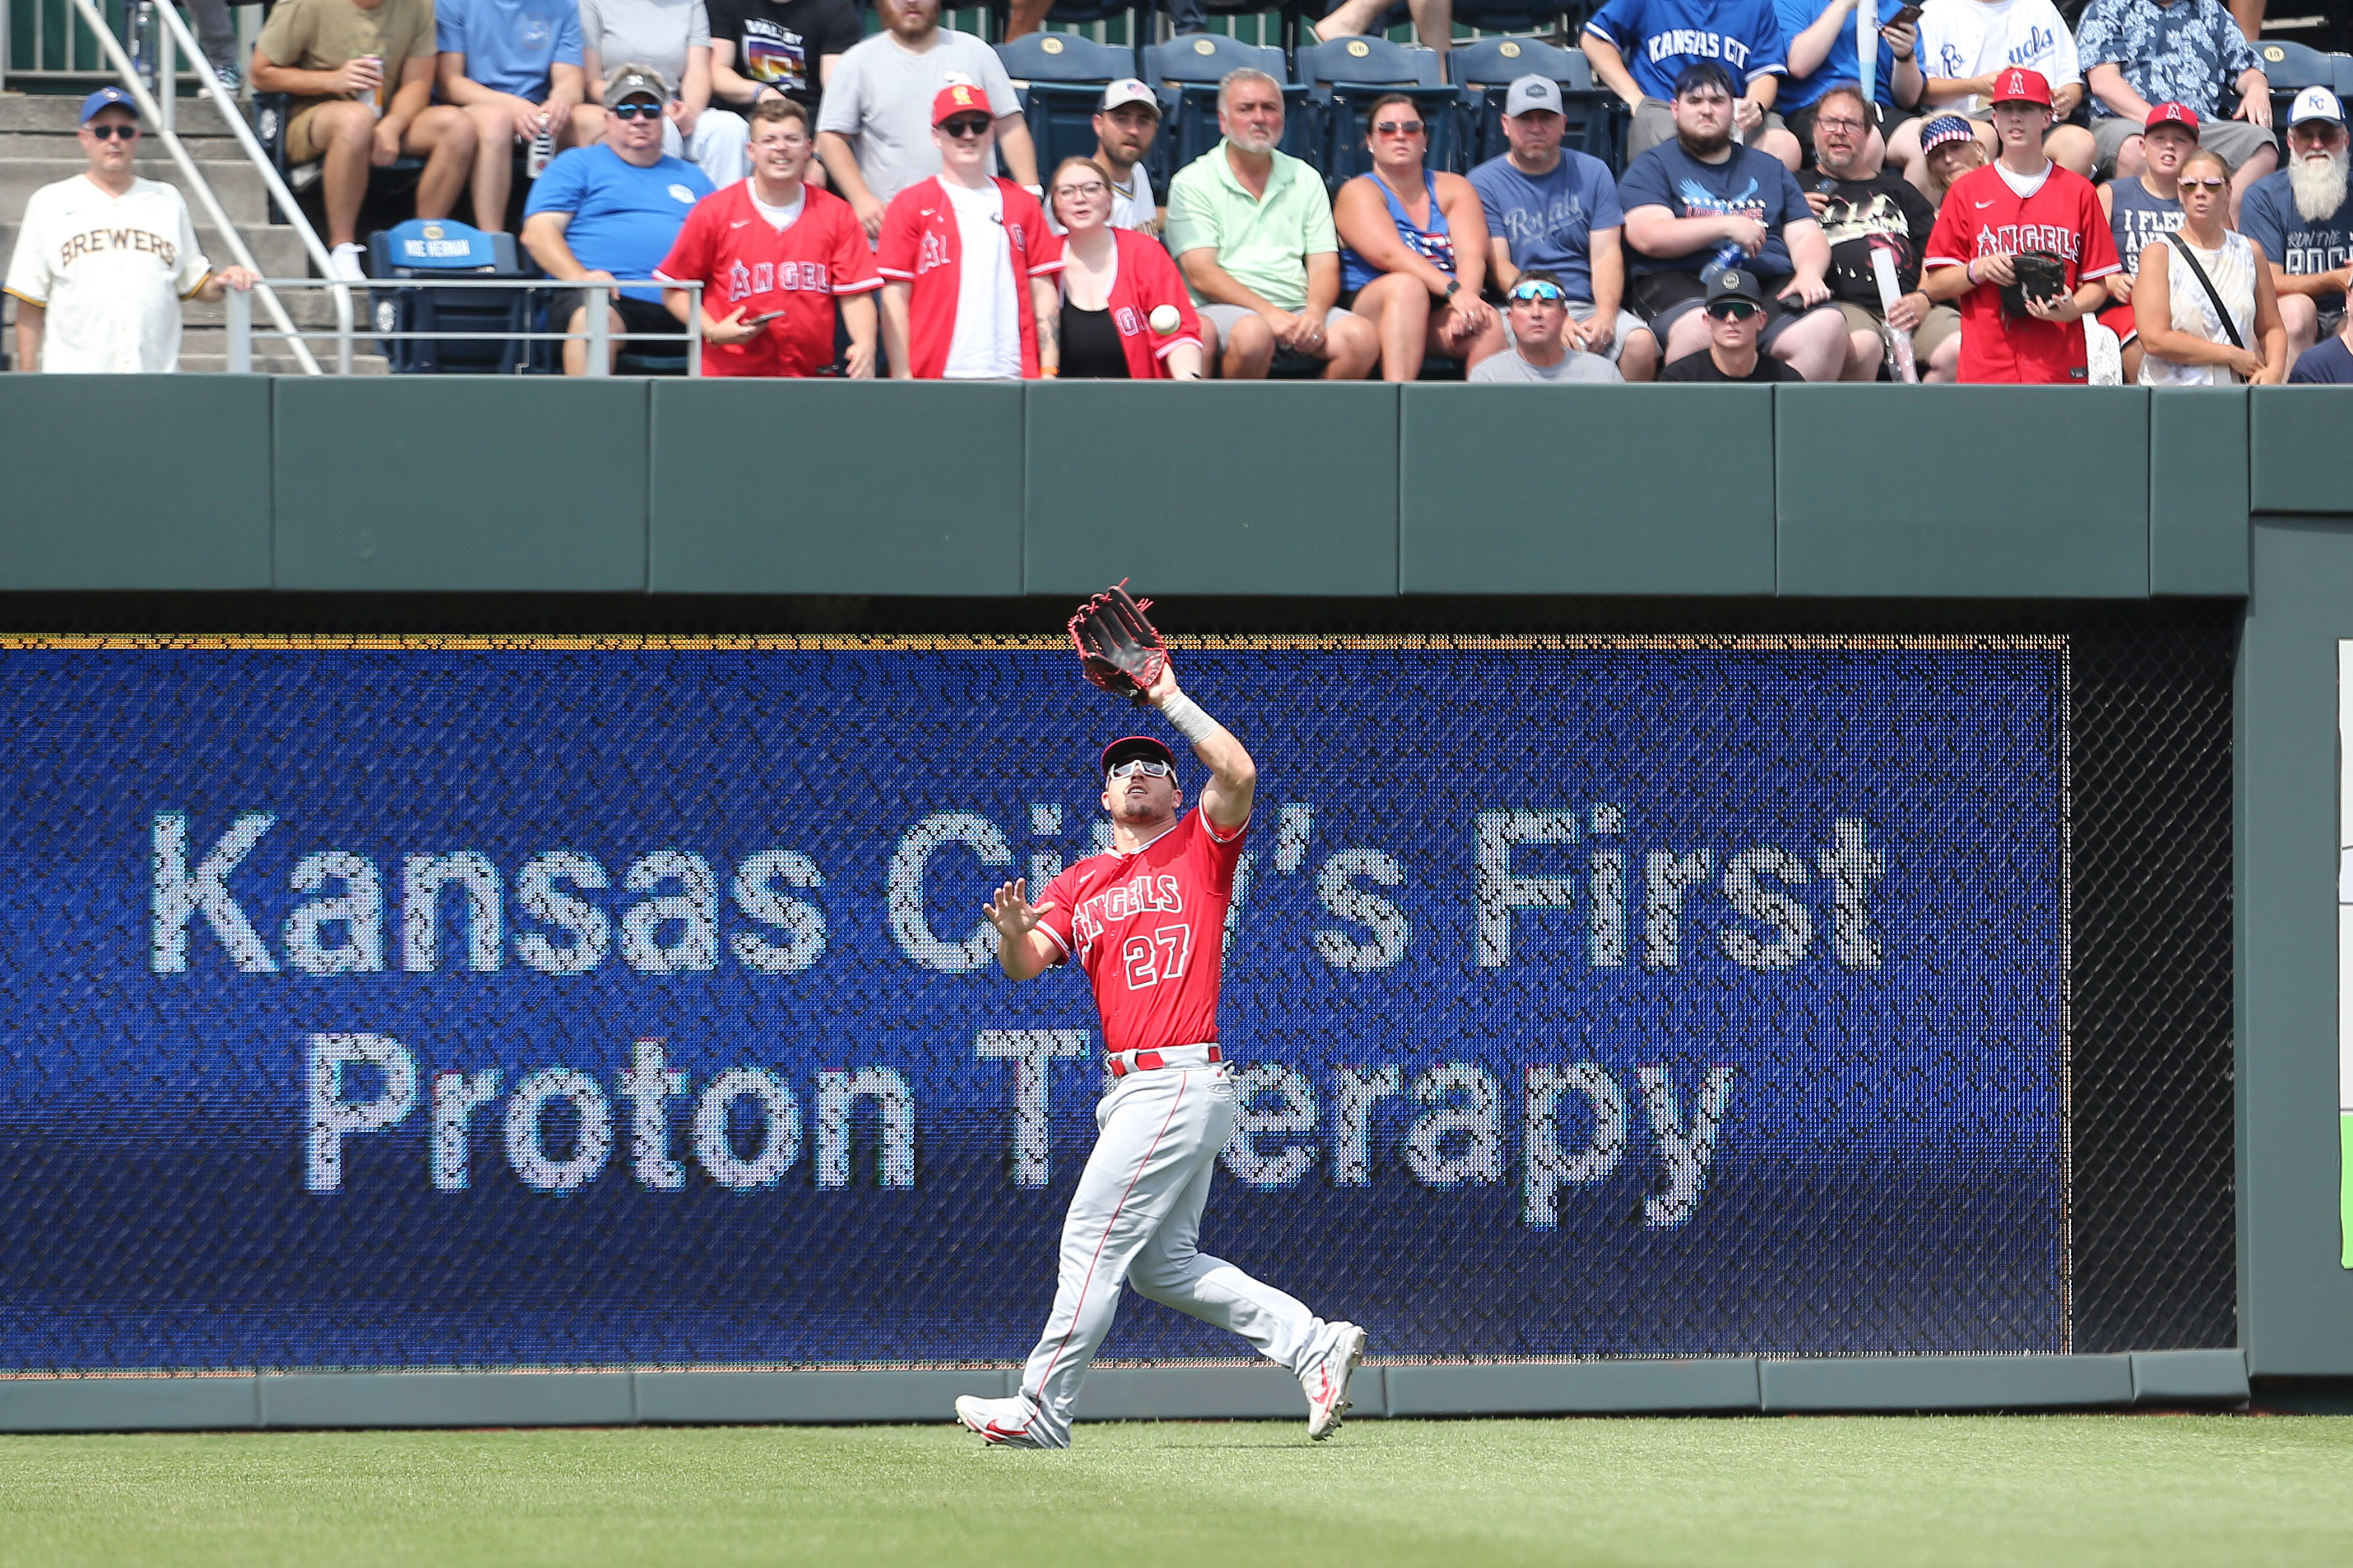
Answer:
(2042, 275)
(1119, 648)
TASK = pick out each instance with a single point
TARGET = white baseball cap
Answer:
(2315, 103)
(1532, 92)
(1127, 90)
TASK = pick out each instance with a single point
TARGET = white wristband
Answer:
(1186, 716)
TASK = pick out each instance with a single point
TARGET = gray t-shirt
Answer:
(1508, 369)
(655, 32)
(881, 99)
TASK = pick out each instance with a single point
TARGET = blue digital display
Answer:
(553, 1004)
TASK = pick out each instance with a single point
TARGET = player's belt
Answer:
(1125, 1062)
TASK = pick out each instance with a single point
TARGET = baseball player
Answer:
(2025, 224)
(774, 255)
(104, 258)
(1145, 920)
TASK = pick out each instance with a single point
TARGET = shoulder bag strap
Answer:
(2221, 313)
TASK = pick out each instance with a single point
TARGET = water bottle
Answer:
(1729, 254)
(142, 32)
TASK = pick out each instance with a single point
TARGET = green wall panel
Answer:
(134, 482)
(1963, 491)
(2296, 1300)
(2302, 458)
(2198, 490)
(1586, 490)
(452, 483)
(1248, 488)
(828, 487)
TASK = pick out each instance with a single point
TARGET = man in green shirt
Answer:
(1251, 228)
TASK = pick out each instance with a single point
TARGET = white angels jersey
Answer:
(110, 271)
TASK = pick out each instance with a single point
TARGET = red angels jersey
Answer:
(1149, 927)
(1983, 216)
(919, 246)
(1147, 279)
(741, 260)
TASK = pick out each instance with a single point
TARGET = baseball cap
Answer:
(2171, 114)
(1735, 283)
(2018, 85)
(1943, 129)
(2312, 103)
(1128, 746)
(1532, 92)
(634, 81)
(107, 98)
(962, 98)
(1127, 90)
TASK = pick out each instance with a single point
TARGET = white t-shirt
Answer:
(110, 271)
(1962, 38)
(784, 217)
(881, 99)
(987, 345)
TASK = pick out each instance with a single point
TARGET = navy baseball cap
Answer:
(108, 98)
(1128, 746)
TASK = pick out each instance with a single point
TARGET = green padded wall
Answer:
(2301, 456)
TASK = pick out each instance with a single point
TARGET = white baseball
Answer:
(1165, 318)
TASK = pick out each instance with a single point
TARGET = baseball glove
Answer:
(2042, 275)
(1119, 649)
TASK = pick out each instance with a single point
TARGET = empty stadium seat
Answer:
(427, 248)
(1060, 76)
(1346, 74)
(2292, 68)
(1484, 68)
(1186, 72)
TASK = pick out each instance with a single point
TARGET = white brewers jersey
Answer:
(110, 271)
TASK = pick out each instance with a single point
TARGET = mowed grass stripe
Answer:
(1811, 1490)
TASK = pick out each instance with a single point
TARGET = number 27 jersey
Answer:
(1148, 928)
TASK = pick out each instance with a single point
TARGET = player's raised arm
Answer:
(1233, 777)
(1023, 951)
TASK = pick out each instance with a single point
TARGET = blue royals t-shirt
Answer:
(624, 218)
(510, 44)
(1750, 183)
(1843, 63)
(1547, 221)
(1660, 37)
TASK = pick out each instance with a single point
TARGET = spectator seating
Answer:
(2293, 67)
(1186, 71)
(1346, 75)
(269, 114)
(1485, 69)
(1066, 13)
(1060, 76)
(427, 248)
(1516, 15)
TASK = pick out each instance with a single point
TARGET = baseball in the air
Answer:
(1165, 318)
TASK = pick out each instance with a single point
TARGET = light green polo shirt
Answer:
(1262, 245)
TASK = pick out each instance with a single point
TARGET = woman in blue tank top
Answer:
(1413, 250)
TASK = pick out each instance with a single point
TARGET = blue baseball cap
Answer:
(107, 98)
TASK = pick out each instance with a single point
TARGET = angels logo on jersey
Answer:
(2011, 238)
(933, 252)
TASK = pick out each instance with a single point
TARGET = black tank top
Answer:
(1090, 346)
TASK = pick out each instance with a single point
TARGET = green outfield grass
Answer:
(2010, 1489)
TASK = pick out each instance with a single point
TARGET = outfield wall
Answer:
(1447, 497)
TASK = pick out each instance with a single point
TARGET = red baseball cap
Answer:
(962, 99)
(2171, 114)
(2018, 85)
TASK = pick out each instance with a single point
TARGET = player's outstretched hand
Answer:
(1012, 914)
(1164, 686)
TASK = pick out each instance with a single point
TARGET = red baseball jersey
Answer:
(1149, 928)
(741, 260)
(1147, 279)
(1983, 216)
(920, 246)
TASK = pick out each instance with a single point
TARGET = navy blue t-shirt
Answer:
(2296, 245)
(1547, 222)
(2326, 363)
(1750, 183)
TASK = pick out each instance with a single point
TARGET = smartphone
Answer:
(763, 320)
(1907, 17)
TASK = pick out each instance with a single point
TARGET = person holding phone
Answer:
(777, 259)
(1825, 52)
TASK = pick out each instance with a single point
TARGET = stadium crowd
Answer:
(860, 206)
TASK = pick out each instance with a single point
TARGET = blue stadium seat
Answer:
(1067, 13)
(1346, 74)
(1486, 67)
(1060, 76)
(2292, 68)
(1186, 72)
(428, 248)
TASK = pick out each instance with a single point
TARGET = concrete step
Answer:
(276, 252)
(237, 185)
(61, 112)
(206, 140)
(204, 350)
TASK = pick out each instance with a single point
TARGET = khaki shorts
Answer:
(1223, 318)
(2235, 140)
(1941, 322)
(299, 149)
(1655, 122)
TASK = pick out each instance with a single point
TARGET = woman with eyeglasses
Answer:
(2203, 299)
(1413, 250)
(1126, 315)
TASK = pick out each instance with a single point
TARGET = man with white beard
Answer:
(2302, 220)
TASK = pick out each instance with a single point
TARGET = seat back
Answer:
(1486, 69)
(1511, 16)
(1065, 58)
(1347, 112)
(1207, 57)
(1498, 62)
(2291, 68)
(429, 247)
(1187, 71)
(1368, 62)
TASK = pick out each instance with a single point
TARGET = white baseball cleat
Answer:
(1326, 1382)
(1004, 1422)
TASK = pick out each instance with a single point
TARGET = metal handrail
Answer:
(598, 334)
(155, 115)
